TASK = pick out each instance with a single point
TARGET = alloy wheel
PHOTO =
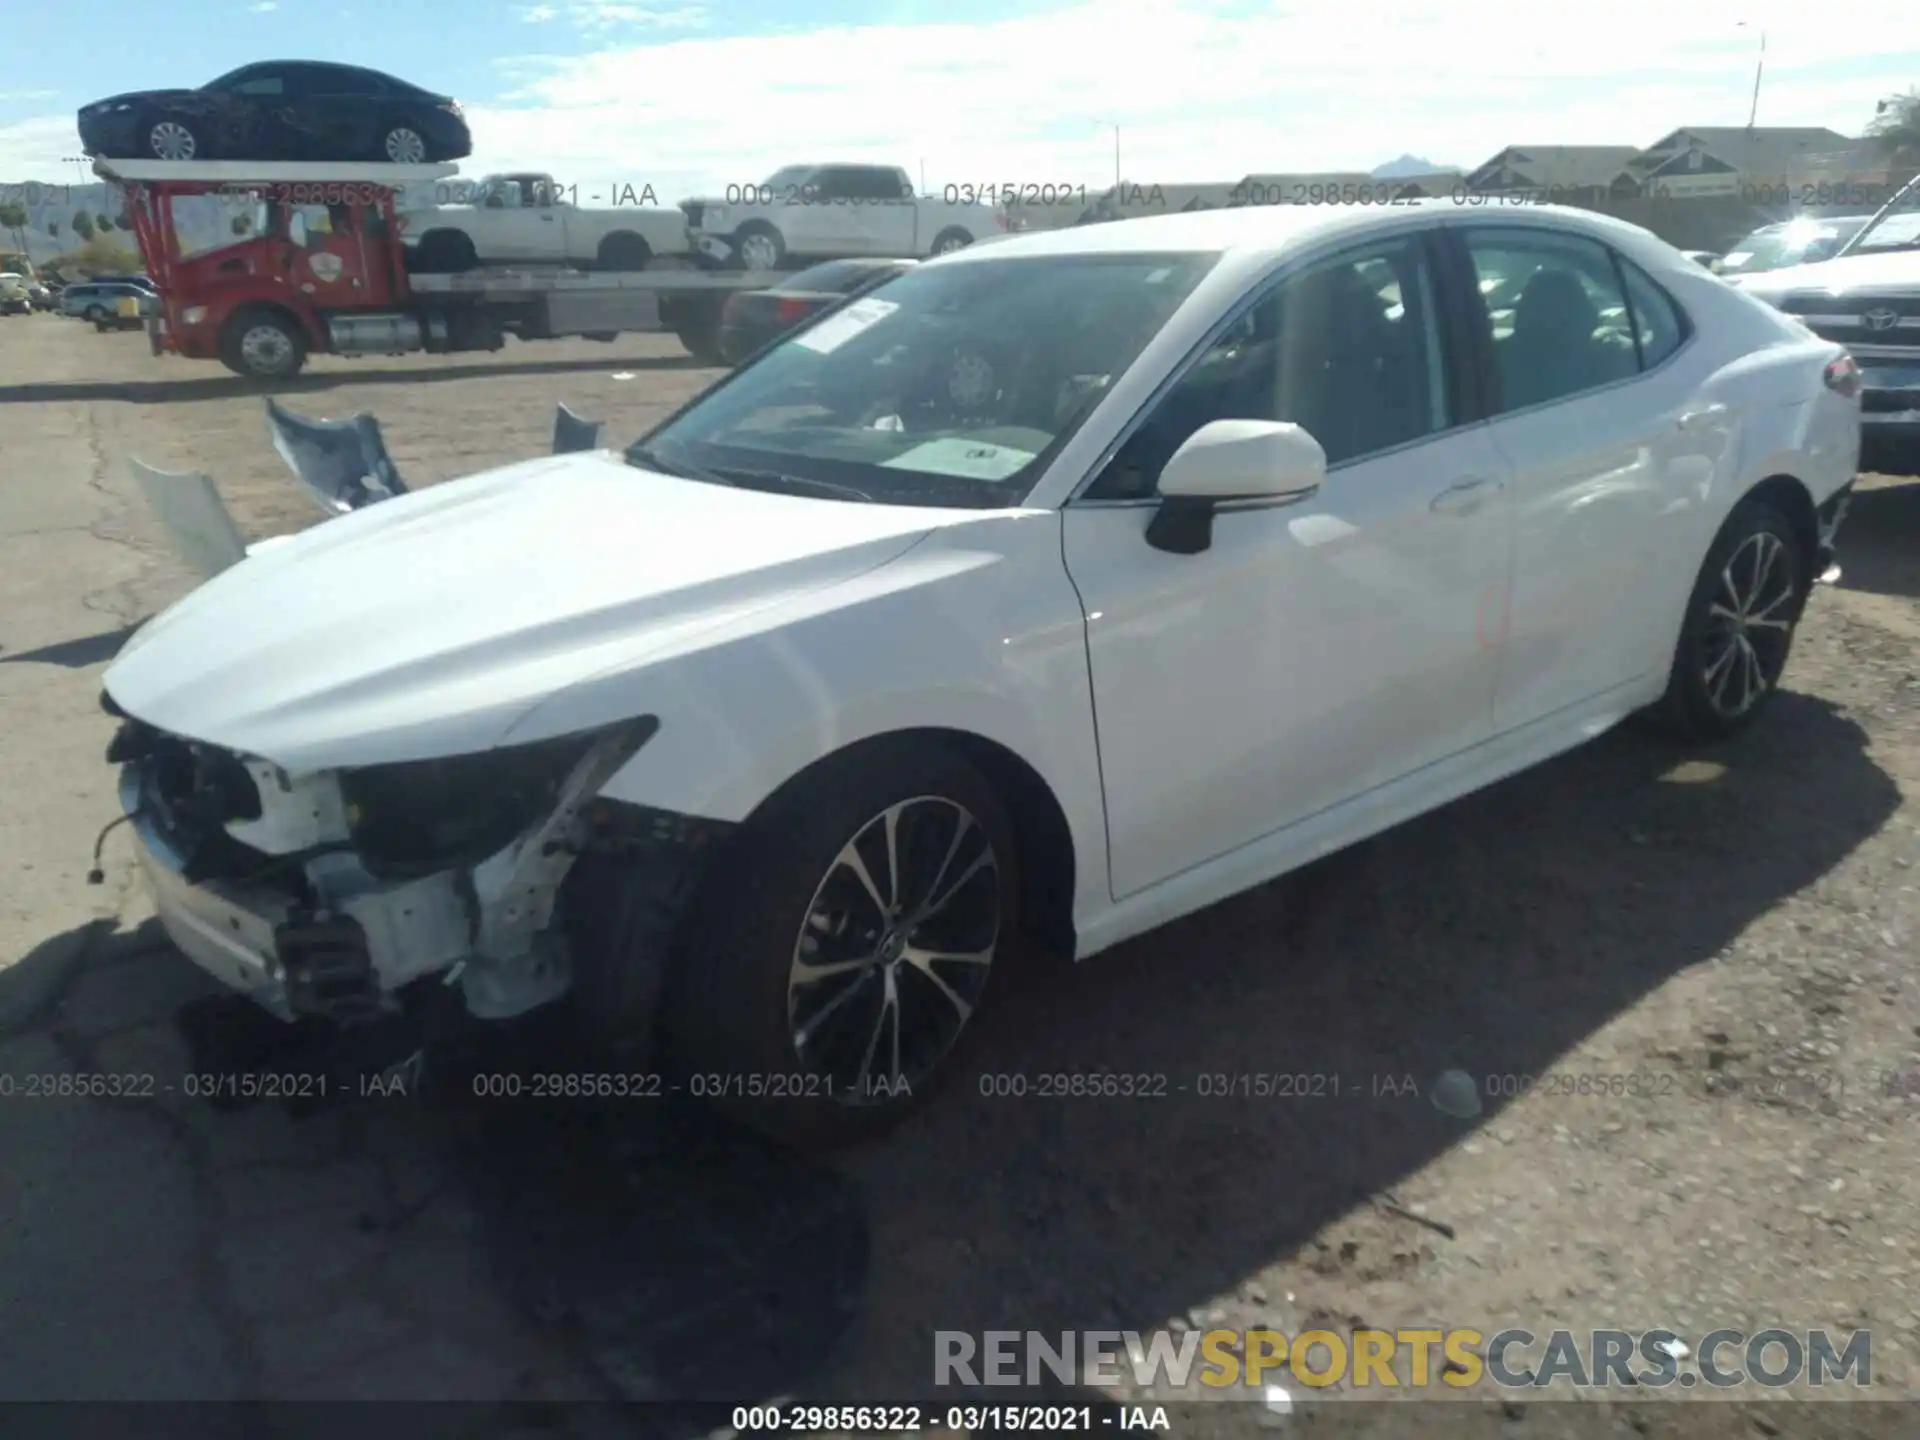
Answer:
(1749, 625)
(895, 950)
(405, 147)
(170, 140)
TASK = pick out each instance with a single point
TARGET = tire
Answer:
(768, 245)
(168, 138)
(401, 144)
(950, 240)
(95, 313)
(623, 251)
(1724, 671)
(784, 880)
(445, 252)
(703, 344)
(262, 344)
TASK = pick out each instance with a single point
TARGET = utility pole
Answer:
(1759, 69)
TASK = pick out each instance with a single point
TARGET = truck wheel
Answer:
(445, 252)
(262, 344)
(401, 145)
(947, 241)
(702, 342)
(759, 246)
(624, 251)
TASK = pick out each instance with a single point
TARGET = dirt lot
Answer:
(1735, 928)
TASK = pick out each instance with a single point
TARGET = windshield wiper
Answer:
(649, 457)
(793, 484)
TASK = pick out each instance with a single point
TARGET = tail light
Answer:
(789, 312)
(1843, 376)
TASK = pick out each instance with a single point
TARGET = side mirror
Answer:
(1234, 463)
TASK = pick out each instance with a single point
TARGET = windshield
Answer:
(949, 385)
(1777, 246)
(1896, 227)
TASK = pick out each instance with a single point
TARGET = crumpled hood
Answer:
(1894, 273)
(429, 624)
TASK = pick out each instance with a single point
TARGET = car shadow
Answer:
(75, 654)
(1879, 546)
(679, 1261)
(225, 386)
(1489, 937)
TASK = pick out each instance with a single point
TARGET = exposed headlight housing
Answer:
(423, 816)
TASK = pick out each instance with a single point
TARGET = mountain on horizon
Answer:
(1406, 166)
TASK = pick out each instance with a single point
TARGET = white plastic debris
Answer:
(1455, 1094)
(1278, 1401)
(1673, 1349)
(623, 375)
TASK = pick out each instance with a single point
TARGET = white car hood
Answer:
(1893, 273)
(429, 624)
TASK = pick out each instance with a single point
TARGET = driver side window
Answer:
(1346, 348)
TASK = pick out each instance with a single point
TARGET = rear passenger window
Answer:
(1556, 312)
(1658, 322)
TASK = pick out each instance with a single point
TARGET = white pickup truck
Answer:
(833, 212)
(528, 219)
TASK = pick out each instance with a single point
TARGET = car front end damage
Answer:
(324, 895)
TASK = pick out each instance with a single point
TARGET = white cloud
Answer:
(263, 6)
(599, 16)
(1200, 91)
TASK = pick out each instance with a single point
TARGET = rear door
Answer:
(1596, 403)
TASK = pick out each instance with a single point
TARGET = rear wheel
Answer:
(445, 252)
(835, 963)
(1738, 630)
(947, 241)
(758, 246)
(262, 344)
(624, 251)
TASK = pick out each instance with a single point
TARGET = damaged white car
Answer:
(1054, 589)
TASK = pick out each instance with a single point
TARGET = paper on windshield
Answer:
(834, 331)
(1738, 257)
(971, 459)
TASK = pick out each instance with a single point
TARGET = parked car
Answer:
(1867, 298)
(99, 301)
(142, 282)
(821, 212)
(754, 319)
(281, 110)
(528, 218)
(15, 298)
(764, 740)
(1705, 259)
(1800, 241)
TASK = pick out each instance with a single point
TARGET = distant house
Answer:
(1717, 160)
(1563, 174)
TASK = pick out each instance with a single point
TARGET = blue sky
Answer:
(682, 95)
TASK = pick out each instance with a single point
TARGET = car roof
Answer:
(1254, 232)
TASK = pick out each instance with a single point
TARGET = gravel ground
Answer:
(1734, 928)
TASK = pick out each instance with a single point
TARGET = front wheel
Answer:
(169, 139)
(948, 241)
(835, 963)
(759, 246)
(1738, 629)
(401, 145)
(262, 345)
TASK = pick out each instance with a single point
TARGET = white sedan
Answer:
(1055, 589)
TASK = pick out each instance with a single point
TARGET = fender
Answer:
(976, 629)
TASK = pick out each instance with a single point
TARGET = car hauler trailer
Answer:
(318, 267)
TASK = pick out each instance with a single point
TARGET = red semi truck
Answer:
(318, 267)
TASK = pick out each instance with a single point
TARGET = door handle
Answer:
(1466, 496)
(1694, 419)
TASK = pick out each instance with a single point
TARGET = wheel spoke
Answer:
(1721, 612)
(1764, 555)
(921, 961)
(1753, 679)
(803, 1035)
(935, 904)
(961, 825)
(813, 974)
(850, 859)
(891, 825)
(889, 1008)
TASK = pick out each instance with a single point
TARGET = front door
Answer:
(1315, 650)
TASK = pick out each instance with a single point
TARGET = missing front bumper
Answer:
(314, 934)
